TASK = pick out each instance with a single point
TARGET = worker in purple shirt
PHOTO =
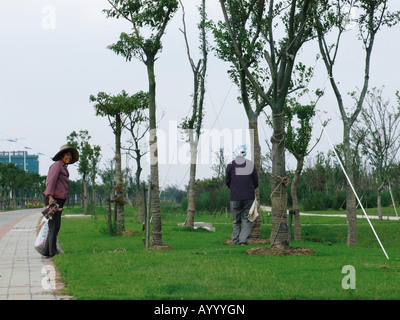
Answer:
(57, 191)
(242, 180)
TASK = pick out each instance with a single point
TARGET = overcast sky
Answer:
(54, 56)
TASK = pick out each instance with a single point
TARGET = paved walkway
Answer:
(24, 274)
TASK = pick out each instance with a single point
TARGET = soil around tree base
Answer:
(291, 251)
(161, 247)
(250, 242)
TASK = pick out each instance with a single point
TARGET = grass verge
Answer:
(200, 266)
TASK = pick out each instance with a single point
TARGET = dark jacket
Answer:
(241, 178)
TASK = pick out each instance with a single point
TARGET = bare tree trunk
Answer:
(140, 202)
(94, 199)
(351, 217)
(253, 126)
(380, 202)
(94, 203)
(156, 236)
(293, 191)
(14, 199)
(191, 198)
(191, 208)
(351, 212)
(85, 196)
(279, 182)
(119, 200)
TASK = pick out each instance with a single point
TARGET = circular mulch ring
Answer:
(258, 241)
(292, 251)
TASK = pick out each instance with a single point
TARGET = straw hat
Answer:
(65, 148)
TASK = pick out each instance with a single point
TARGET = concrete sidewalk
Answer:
(24, 274)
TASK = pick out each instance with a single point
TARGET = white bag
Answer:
(253, 212)
(41, 238)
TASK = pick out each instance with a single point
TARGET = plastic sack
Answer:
(253, 212)
(40, 242)
(41, 238)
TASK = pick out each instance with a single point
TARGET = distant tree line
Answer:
(322, 184)
(18, 187)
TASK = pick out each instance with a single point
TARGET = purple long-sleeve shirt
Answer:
(57, 180)
(241, 178)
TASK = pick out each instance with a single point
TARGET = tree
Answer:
(116, 109)
(297, 141)
(137, 133)
(88, 160)
(153, 15)
(334, 15)
(193, 124)
(107, 176)
(271, 84)
(219, 166)
(12, 179)
(378, 131)
(94, 159)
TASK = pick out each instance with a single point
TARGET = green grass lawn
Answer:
(200, 266)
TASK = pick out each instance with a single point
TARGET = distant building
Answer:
(21, 159)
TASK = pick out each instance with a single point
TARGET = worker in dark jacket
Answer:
(242, 180)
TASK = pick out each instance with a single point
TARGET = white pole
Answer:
(394, 204)
(148, 215)
(352, 188)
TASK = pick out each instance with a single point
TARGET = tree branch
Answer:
(238, 54)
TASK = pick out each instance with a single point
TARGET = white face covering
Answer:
(240, 151)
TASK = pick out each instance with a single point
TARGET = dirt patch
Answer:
(250, 242)
(258, 241)
(292, 251)
(130, 233)
(118, 250)
(161, 247)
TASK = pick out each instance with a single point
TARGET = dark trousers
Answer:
(240, 211)
(54, 228)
